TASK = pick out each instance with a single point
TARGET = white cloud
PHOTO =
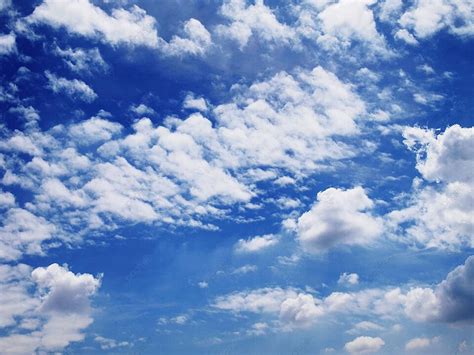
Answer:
(94, 130)
(109, 344)
(295, 309)
(439, 214)
(390, 9)
(350, 20)
(53, 305)
(76, 89)
(186, 171)
(23, 232)
(427, 17)
(28, 113)
(245, 269)
(365, 326)
(5, 4)
(7, 199)
(417, 343)
(447, 157)
(203, 284)
(81, 60)
(81, 17)
(195, 103)
(338, 217)
(256, 244)
(196, 41)
(7, 44)
(406, 36)
(256, 19)
(348, 279)
(142, 110)
(449, 301)
(364, 345)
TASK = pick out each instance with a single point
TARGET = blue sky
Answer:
(229, 177)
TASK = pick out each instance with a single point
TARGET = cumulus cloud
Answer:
(450, 301)
(195, 103)
(256, 244)
(257, 20)
(295, 309)
(427, 17)
(94, 130)
(76, 89)
(51, 305)
(142, 110)
(81, 17)
(417, 344)
(440, 208)
(196, 41)
(338, 217)
(7, 44)
(22, 232)
(364, 345)
(82, 61)
(349, 279)
(349, 20)
(91, 175)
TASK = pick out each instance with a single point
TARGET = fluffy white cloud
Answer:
(92, 176)
(5, 4)
(439, 214)
(427, 17)
(94, 130)
(81, 60)
(256, 244)
(417, 343)
(348, 20)
(142, 110)
(390, 9)
(256, 19)
(51, 307)
(195, 103)
(23, 232)
(245, 269)
(339, 217)
(348, 279)
(81, 17)
(7, 44)
(196, 41)
(364, 345)
(450, 301)
(447, 157)
(109, 344)
(295, 309)
(406, 36)
(76, 89)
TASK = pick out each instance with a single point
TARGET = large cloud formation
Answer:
(44, 309)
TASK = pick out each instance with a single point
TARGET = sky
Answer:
(236, 177)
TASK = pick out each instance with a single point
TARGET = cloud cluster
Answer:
(44, 309)
(450, 301)
(91, 175)
(439, 212)
(81, 17)
(339, 217)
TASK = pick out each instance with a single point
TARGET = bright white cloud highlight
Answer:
(440, 213)
(81, 17)
(51, 317)
(76, 89)
(256, 244)
(338, 217)
(364, 345)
